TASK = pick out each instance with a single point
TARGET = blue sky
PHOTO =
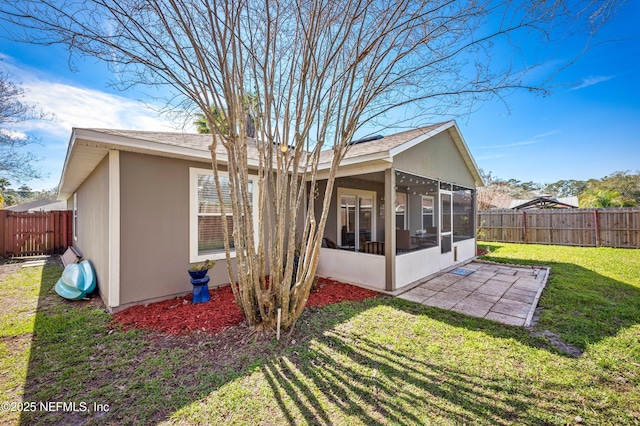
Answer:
(588, 127)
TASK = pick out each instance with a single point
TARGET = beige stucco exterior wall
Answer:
(154, 221)
(93, 223)
(438, 158)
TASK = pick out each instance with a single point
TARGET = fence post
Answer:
(3, 232)
(524, 227)
(596, 227)
(56, 231)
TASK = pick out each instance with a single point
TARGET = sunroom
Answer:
(402, 209)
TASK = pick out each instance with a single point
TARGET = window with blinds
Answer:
(206, 232)
(210, 221)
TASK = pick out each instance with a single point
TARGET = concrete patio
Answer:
(503, 293)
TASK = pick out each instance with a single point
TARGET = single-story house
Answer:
(43, 205)
(403, 208)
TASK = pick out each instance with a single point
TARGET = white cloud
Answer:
(490, 157)
(74, 106)
(81, 107)
(546, 134)
(510, 145)
(534, 139)
(13, 134)
(592, 81)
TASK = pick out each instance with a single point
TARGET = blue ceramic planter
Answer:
(200, 290)
(198, 275)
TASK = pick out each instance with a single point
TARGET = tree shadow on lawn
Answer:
(373, 376)
(372, 383)
(330, 369)
(580, 305)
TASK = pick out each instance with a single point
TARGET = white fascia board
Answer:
(94, 139)
(72, 141)
(384, 156)
(122, 143)
(415, 141)
(353, 170)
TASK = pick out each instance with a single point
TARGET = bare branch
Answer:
(303, 75)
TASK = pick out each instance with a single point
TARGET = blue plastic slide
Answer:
(76, 281)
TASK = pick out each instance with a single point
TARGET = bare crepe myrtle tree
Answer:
(15, 161)
(318, 71)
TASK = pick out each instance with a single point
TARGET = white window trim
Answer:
(357, 193)
(433, 212)
(193, 215)
(75, 216)
(405, 214)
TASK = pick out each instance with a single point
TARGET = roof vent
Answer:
(367, 139)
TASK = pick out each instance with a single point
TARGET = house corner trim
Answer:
(114, 228)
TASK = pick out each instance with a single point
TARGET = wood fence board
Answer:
(32, 234)
(617, 227)
(2, 233)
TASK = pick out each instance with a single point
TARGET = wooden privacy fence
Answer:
(33, 234)
(616, 227)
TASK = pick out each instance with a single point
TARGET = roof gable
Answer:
(391, 146)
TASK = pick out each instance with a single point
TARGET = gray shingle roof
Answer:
(386, 144)
(200, 142)
(192, 140)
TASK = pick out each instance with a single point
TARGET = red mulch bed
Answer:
(481, 252)
(178, 316)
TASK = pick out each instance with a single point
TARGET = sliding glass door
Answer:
(356, 221)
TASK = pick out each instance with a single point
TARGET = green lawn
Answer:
(380, 361)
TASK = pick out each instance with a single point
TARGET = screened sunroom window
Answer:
(463, 213)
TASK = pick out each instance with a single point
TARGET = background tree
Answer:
(495, 192)
(321, 71)
(620, 189)
(251, 107)
(202, 125)
(24, 191)
(10, 199)
(603, 198)
(498, 193)
(15, 161)
(565, 188)
(4, 183)
(627, 184)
